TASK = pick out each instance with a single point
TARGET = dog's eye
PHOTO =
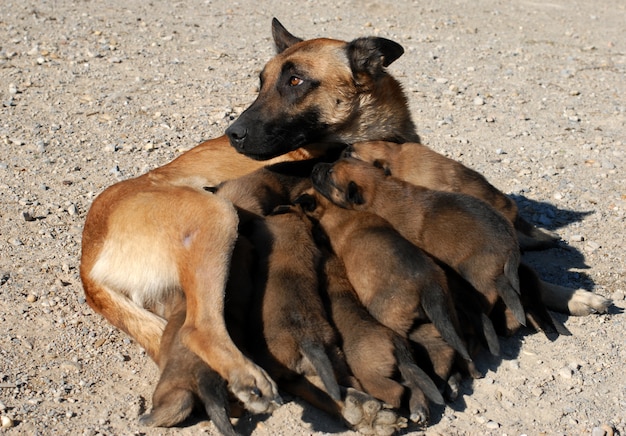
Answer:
(295, 81)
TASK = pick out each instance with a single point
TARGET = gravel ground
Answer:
(529, 93)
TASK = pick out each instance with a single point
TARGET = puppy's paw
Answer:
(366, 415)
(585, 303)
(255, 389)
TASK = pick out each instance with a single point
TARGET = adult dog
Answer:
(148, 238)
(151, 237)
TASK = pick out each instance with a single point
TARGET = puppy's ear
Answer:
(282, 38)
(354, 195)
(383, 165)
(307, 202)
(370, 55)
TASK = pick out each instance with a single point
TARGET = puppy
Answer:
(457, 229)
(185, 377)
(396, 281)
(374, 352)
(291, 336)
(419, 165)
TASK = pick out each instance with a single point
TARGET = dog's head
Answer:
(348, 183)
(320, 91)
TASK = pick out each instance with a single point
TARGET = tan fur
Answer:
(419, 165)
(159, 234)
(459, 230)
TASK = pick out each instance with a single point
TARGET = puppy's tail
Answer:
(412, 375)
(324, 368)
(440, 310)
(508, 287)
(533, 238)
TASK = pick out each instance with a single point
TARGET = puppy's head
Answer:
(381, 154)
(348, 183)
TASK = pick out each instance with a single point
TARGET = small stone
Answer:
(558, 196)
(514, 364)
(598, 431)
(13, 89)
(31, 298)
(492, 425)
(577, 238)
(72, 209)
(566, 373)
(591, 246)
(441, 80)
(618, 295)
(479, 101)
(6, 422)
(27, 216)
(16, 242)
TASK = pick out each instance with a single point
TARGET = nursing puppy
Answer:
(419, 165)
(375, 353)
(397, 282)
(460, 231)
(289, 335)
(185, 377)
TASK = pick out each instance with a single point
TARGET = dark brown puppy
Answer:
(184, 378)
(396, 281)
(460, 231)
(374, 352)
(290, 335)
(419, 165)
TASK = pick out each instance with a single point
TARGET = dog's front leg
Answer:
(206, 246)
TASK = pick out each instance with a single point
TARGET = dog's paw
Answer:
(585, 303)
(255, 389)
(366, 415)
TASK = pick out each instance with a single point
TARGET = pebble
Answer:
(479, 101)
(566, 372)
(16, 242)
(72, 209)
(6, 422)
(492, 425)
(31, 298)
(618, 295)
(577, 238)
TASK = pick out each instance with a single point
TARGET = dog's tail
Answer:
(323, 366)
(508, 287)
(533, 238)
(440, 310)
(412, 375)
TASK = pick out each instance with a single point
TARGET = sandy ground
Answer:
(529, 93)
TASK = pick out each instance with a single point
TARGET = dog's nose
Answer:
(237, 135)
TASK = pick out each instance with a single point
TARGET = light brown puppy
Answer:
(161, 233)
(422, 166)
(460, 231)
(396, 281)
(375, 353)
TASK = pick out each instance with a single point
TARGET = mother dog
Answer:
(151, 237)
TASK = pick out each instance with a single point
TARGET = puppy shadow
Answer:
(547, 215)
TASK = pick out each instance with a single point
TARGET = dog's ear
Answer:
(354, 195)
(307, 202)
(372, 54)
(282, 38)
(383, 165)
